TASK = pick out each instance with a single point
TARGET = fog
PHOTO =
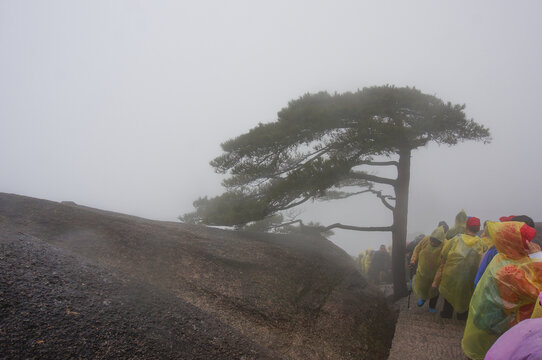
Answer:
(121, 105)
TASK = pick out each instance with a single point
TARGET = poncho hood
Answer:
(461, 218)
(511, 237)
(470, 240)
(439, 234)
(460, 225)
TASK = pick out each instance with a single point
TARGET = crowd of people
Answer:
(376, 265)
(491, 278)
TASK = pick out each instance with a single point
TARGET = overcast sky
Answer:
(121, 105)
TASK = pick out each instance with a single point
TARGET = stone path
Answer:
(423, 335)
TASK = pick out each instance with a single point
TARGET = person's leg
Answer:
(447, 310)
(376, 277)
(371, 276)
(463, 316)
(433, 304)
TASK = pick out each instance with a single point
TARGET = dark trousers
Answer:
(433, 302)
(448, 311)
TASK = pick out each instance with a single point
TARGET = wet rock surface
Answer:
(55, 305)
(258, 295)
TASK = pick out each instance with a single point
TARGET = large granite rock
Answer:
(295, 296)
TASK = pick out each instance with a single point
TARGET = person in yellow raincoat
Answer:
(367, 261)
(359, 261)
(487, 242)
(459, 227)
(427, 254)
(491, 251)
(460, 257)
(508, 290)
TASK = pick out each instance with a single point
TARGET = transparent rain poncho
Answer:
(459, 226)
(428, 263)
(506, 293)
(461, 256)
(487, 241)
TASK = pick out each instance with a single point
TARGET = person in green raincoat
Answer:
(427, 254)
(507, 291)
(460, 257)
(459, 227)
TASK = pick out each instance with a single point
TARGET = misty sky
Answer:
(121, 105)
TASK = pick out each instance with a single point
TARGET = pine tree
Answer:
(315, 149)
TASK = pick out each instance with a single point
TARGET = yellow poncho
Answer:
(460, 225)
(461, 256)
(428, 262)
(367, 261)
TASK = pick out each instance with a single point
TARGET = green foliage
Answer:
(270, 223)
(314, 148)
(275, 223)
(229, 209)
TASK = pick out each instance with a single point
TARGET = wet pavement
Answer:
(423, 335)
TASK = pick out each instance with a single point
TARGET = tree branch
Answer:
(305, 159)
(291, 205)
(387, 204)
(358, 228)
(337, 195)
(241, 166)
(286, 224)
(384, 200)
(380, 163)
(373, 178)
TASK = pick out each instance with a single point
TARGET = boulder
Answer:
(298, 296)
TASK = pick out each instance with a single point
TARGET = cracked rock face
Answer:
(80, 282)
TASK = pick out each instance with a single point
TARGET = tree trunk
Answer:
(400, 216)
